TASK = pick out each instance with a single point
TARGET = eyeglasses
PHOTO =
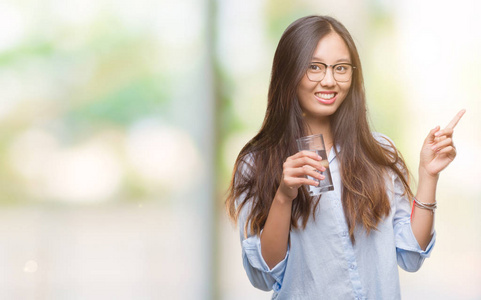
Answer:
(342, 72)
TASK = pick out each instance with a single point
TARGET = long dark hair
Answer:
(363, 161)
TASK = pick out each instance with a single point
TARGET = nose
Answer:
(328, 79)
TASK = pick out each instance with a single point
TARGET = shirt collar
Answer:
(332, 153)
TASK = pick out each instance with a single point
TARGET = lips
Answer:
(326, 97)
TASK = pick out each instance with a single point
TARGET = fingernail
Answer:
(319, 157)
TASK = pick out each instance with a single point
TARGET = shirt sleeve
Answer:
(410, 256)
(259, 274)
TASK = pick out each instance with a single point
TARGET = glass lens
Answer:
(316, 72)
(342, 72)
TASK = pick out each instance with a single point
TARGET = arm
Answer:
(265, 265)
(422, 220)
(259, 274)
(275, 235)
(437, 153)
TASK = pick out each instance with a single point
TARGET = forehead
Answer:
(331, 49)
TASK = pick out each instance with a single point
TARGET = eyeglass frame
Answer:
(330, 66)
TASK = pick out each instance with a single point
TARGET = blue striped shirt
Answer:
(322, 263)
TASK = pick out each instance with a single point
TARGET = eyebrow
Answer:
(317, 59)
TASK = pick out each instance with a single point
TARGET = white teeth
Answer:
(325, 96)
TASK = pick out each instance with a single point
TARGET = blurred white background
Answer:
(120, 123)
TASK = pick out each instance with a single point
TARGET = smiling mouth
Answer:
(325, 96)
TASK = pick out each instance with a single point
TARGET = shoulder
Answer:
(392, 153)
(383, 140)
(246, 163)
(243, 181)
(244, 169)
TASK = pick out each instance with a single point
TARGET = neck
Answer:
(322, 126)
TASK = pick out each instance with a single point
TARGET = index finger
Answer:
(456, 119)
(311, 154)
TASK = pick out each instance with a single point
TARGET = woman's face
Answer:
(319, 100)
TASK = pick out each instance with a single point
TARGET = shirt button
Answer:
(344, 233)
(352, 266)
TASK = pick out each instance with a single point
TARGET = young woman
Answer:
(346, 243)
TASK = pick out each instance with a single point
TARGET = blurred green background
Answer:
(120, 122)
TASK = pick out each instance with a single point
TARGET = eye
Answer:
(314, 67)
(342, 68)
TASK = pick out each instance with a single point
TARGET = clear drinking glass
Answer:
(315, 143)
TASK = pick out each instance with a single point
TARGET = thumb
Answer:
(430, 138)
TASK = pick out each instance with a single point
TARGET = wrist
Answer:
(425, 175)
(282, 198)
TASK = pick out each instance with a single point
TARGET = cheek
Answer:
(346, 89)
(301, 99)
(344, 92)
(303, 90)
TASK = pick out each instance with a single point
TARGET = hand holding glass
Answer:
(315, 143)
